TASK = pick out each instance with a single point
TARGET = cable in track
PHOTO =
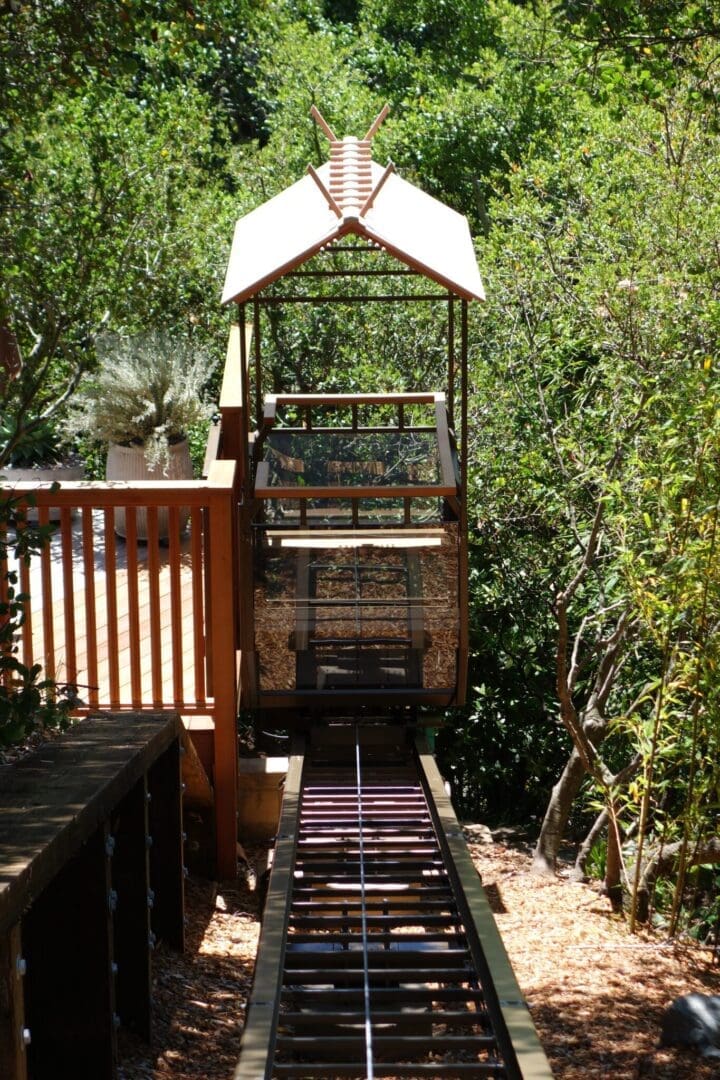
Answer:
(365, 944)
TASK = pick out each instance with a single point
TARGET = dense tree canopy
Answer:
(580, 140)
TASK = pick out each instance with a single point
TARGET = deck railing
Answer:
(143, 623)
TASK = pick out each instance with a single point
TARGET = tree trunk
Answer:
(563, 796)
(578, 871)
(664, 862)
(559, 805)
(613, 866)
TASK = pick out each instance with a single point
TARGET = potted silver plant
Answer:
(146, 393)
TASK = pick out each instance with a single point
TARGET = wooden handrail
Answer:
(305, 400)
(99, 493)
(212, 447)
(231, 395)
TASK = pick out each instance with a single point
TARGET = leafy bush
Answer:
(27, 702)
(39, 444)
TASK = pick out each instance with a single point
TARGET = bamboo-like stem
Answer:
(682, 864)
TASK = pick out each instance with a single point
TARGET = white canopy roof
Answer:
(352, 195)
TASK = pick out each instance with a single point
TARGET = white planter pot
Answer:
(51, 475)
(128, 463)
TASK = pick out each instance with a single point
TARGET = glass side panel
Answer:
(356, 610)
(321, 513)
(352, 459)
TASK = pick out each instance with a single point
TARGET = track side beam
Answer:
(523, 1051)
(259, 1035)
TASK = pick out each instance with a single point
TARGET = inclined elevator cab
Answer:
(353, 566)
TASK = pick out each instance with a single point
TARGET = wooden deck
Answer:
(88, 639)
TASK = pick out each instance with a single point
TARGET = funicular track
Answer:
(378, 955)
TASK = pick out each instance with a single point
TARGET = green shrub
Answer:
(28, 702)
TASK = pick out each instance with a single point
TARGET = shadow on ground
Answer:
(615, 1035)
(199, 996)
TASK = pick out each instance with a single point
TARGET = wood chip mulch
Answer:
(199, 997)
(595, 993)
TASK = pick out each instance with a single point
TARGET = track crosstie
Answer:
(371, 943)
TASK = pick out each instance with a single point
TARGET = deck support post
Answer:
(224, 662)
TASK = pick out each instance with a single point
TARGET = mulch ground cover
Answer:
(596, 994)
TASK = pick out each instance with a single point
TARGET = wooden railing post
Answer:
(232, 403)
(221, 563)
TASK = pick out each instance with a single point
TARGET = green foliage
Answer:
(28, 702)
(143, 244)
(38, 445)
(597, 860)
(580, 140)
(506, 739)
(599, 382)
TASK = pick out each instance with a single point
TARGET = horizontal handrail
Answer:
(329, 400)
(102, 493)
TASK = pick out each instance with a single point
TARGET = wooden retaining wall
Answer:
(91, 878)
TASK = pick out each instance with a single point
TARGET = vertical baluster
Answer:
(88, 554)
(69, 634)
(111, 607)
(4, 597)
(154, 591)
(207, 585)
(258, 363)
(133, 605)
(176, 605)
(198, 619)
(27, 628)
(47, 600)
(451, 360)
